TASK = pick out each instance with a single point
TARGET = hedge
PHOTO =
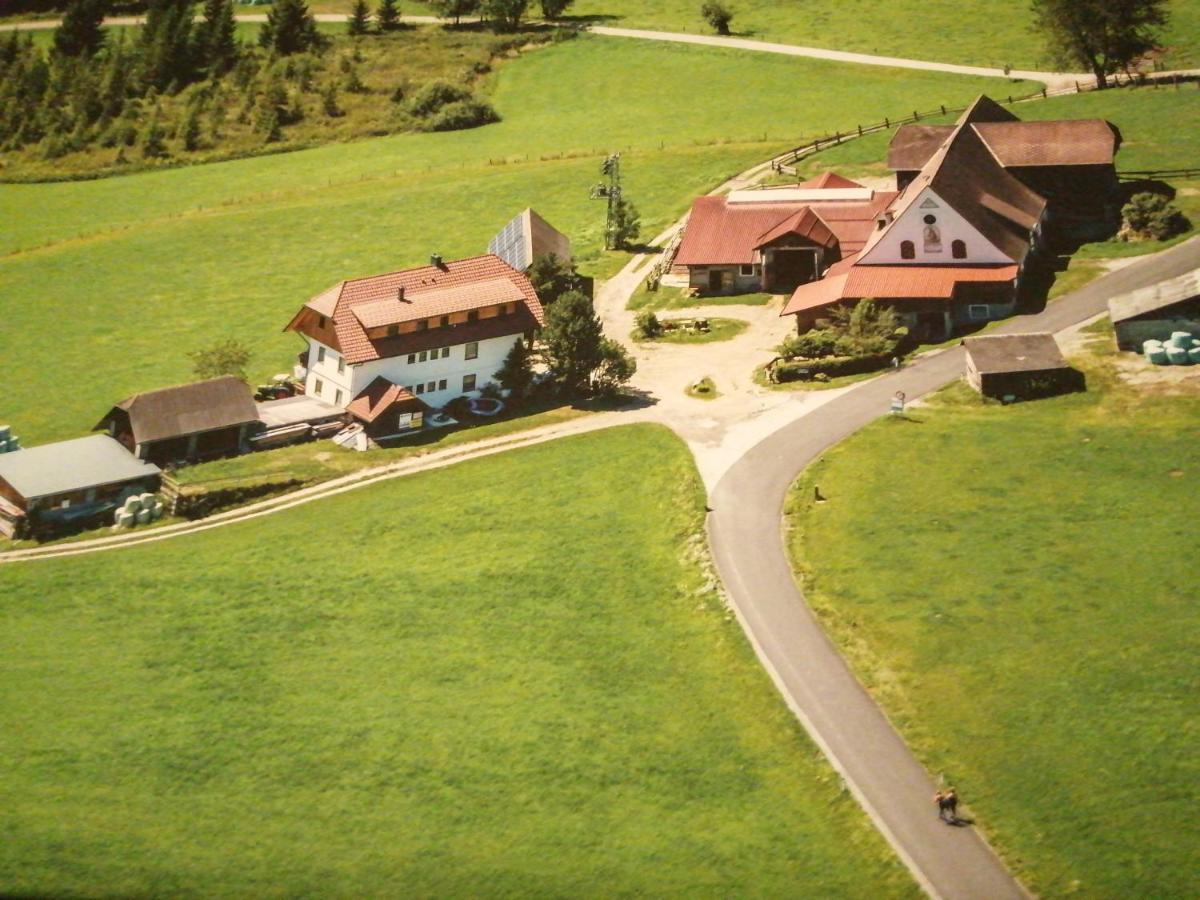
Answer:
(804, 369)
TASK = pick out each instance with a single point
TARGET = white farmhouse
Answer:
(437, 332)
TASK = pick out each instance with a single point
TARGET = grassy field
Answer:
(982, 33)
(106, 285)
(1015, 585)
(511, 685)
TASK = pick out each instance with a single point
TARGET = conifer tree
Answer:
(216, 47)
(455, 9)
(166, 45)
(290, 28)
(154, 144)
(387, 17)
(80, 33)
(359, 22)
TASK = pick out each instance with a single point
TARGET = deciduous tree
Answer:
(505, 15)
(227, 357)
(1103, 36)
(718, 16)
(626, 223)
(552, 9)
(455, 9)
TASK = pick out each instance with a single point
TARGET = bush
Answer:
(1150, 216)
(434, 96)
(718, 16)
(464, 114)
(813, 344)
(648, 324)
(832, 366)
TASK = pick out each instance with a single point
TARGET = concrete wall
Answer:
(1132, 334)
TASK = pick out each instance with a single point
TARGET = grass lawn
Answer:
(681, 298)
(474, 682)
(106, 285)
(1014, 584)
(983, 33)
(719, 330)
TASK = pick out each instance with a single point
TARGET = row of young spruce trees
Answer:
(94, 88)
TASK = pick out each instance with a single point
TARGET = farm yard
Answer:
(448, 678)
(992, 576)
(236, 246)
(505, 692)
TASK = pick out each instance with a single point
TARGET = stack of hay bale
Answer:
(9, 442)
(140, 509)
(1181, 349)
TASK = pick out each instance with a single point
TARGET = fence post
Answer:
(886, 123)
(1043, 93)
(837, 137)
(916, 116)
(860, 127)
(943, 109)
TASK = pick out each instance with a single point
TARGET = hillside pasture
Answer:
(475, 682)
(106, 285)
(1013, 584)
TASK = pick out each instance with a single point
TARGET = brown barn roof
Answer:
(1068, 142)
(892, 283)
(188, 409)
(996, 354)
(828, 180)
(429, 291)
(913, 145)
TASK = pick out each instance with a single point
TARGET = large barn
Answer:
(951, 251)
(774, 239)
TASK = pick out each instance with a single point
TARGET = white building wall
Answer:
(326, 372)
(951, 226)
(448, 368)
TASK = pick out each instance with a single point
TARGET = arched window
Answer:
(908, 250)
(958, 249)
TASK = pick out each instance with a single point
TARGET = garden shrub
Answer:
(434, 96)
(464, 114)
(1151, 216)
(648, 324)
(831, 366)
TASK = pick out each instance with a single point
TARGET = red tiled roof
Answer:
(379, 397)
(722, 234)
(892, 283)
(805, 223)
(429, 291)
(828, 180)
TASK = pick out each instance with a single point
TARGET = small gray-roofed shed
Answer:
(75, 465)
(1019, 365)
(1157, 311)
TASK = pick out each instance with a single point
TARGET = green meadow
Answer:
(1016, 586)
(475, 682)
(105, 285)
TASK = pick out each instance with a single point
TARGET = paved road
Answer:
(838, 713)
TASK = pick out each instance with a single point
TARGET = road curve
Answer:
(748, 548)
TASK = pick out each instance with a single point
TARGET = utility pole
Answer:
(610, 190)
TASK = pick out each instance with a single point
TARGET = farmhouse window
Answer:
(318, 387)
(468, 383)
(321, 321)
(908, 250)
(412, 358)
(445, 353)
(747, 270)
(337, 398)
(424, 355)
(444, 321)
(393, 330)
(442, 385)
(320, 354)
(431, 387)
(978, 311)
(473, 316)
(958, 249)
(423, 325)
(420, 389)
(341, 365)
(472, 350)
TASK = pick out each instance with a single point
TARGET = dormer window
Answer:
(473, 316)
(444, 322)
(393, 330)
(423, 325)
(908, 250)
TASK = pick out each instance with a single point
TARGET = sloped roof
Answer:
(429, 291)
(720, 233)
(1064, 142)
(913, 145)
(966, 175)
(379, 397)
(74, 465)
(996, 354)
(984, 109)
(855, 282)
(188, 409)
(527, 237)
(1155, 297)
(806, 224)
(828, 181)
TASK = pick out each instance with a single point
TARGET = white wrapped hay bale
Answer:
(1177, 356)
(1158, 356)
(126, 519)
(132, 505)
(1194, 356)
(143, 517)
(1181, 339)
(157, 510)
